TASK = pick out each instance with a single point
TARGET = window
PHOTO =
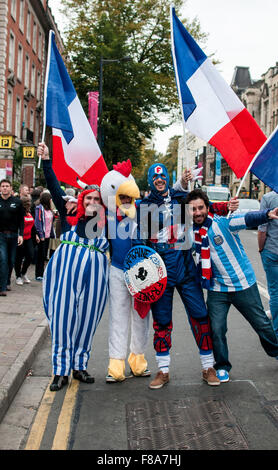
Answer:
(28, 33)
(40, 46)
(27, 72)
(25, 115)
(39, 86)
(19, 62)
(13, 9)
(34, 45)
(32, 120)
(11, 52)
(21, 15)
(9, 111)
(33, 80)
(18, 118)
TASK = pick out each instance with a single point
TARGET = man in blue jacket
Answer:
(227, 273)
(163, 225)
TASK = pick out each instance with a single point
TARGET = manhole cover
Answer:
(189, 424)
(272, 410)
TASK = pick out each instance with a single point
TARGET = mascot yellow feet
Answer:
(116, 370)
(138, 365)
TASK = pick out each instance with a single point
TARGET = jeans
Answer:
(270, 264)
(8, 245)
(249, 304)
(24, 257)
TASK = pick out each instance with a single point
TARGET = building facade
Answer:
(24, 29)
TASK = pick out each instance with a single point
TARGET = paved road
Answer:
(186, 414)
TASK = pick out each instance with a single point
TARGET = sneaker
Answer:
(110, 379)
(3, 293)
(19, 281)
(209, 376)
(58, 382)
(8, 287)
(146, 373)
(268, 314)
(39, 278)
(83, 376)
(223, 375)
(160, 380)
(25, 279)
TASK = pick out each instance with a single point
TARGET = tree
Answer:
(135, 92)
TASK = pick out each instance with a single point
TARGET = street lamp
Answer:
(102, 62)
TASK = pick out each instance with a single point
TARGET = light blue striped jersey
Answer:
(231, 268)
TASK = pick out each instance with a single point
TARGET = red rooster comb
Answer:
(123, 167)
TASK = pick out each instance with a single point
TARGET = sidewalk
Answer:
(23, 328)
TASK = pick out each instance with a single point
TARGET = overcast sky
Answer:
(240, 32)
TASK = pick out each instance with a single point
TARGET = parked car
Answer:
(247, 205)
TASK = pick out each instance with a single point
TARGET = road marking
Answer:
(38, 428)
(263, 290)
(64, 422)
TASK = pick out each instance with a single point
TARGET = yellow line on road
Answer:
(38, 428)
(61, 437)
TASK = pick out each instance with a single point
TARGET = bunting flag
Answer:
(76, 155)
(210, 108)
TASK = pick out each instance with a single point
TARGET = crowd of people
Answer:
(81, 271)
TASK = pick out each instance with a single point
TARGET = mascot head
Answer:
(118, 185)
(158, 171)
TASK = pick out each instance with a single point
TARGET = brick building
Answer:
(24, 28)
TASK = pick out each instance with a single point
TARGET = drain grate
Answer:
(189, 424)
(271, 408)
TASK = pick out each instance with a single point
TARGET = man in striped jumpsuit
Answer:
(229, 276)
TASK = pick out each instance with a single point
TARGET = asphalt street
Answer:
(186, 414)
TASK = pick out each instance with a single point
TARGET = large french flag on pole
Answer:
(211, 110)
(76, 154)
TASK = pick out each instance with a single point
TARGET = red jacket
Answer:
(28, 225)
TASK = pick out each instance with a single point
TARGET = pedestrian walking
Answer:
(11, 233)
(25, 252)
(44, 227)
(268, 249)
(227, 273)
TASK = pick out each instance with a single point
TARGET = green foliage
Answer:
(134, 92)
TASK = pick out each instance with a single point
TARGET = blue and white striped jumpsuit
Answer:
(75, 288)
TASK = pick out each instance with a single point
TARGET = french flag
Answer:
(210, 108)
(76, 155)
(265, 163)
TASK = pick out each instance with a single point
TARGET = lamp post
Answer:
(102, 62)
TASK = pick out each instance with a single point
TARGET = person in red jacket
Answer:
(25, 252)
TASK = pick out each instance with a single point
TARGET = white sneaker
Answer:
(25, 279)
(268, 314)
(19, 281)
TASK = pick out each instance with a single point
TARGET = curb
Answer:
(14, 378)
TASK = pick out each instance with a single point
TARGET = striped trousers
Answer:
(75, 288)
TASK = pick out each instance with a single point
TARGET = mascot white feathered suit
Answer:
(119, 193)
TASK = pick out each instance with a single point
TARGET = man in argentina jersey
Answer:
(228, 275)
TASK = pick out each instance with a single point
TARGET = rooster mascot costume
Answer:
(117, 187)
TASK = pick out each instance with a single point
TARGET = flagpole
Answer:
(51, 32)
(179, 92)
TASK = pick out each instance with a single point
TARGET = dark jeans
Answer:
(8, 245)
(24, 256)
(41, 257)
(248, 303)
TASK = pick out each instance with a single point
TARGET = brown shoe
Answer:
(160, 380)
(210, 377)
(3, 293)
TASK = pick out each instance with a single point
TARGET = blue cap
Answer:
(158, 170)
